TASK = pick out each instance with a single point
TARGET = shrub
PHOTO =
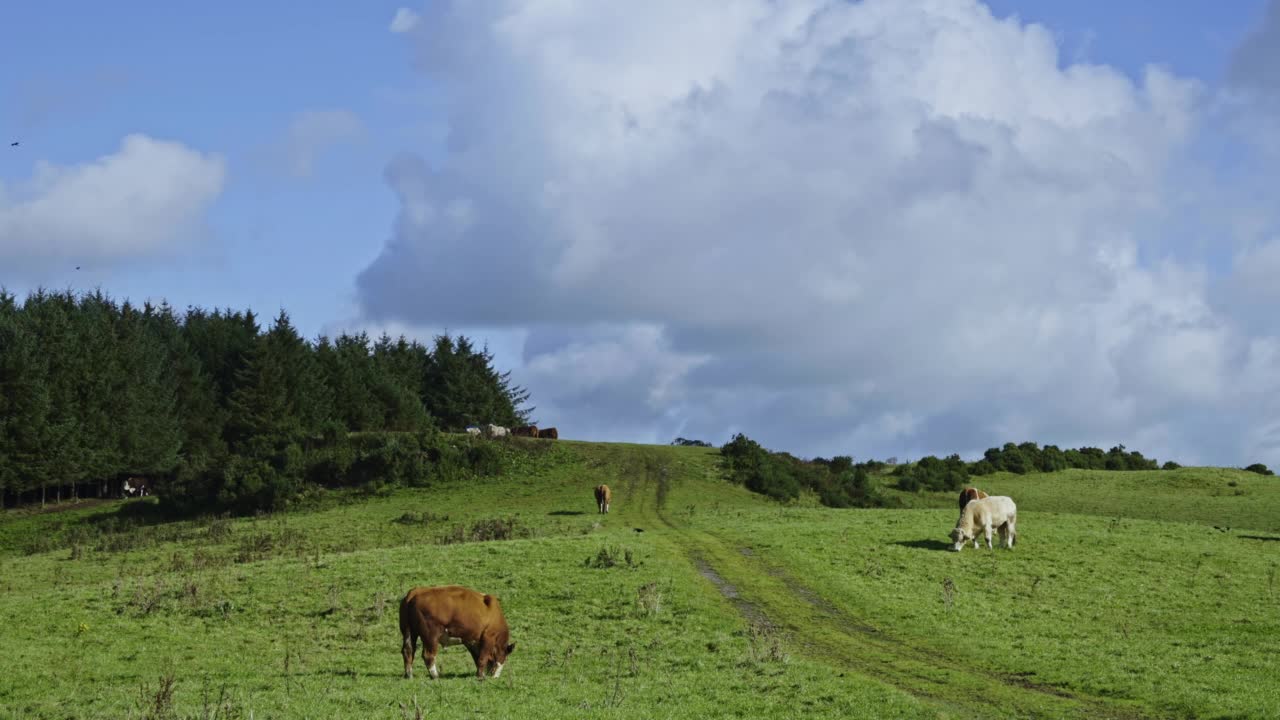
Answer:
(486, 530)
(1259, 468)
(484, 459)
(1170, 465)
(609, 557)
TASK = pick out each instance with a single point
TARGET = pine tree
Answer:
(24, 401)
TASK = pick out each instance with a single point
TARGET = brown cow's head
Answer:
(498, 653)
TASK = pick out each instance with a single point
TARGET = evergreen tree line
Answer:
(212, 411)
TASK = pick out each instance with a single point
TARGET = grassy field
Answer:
(693, 598)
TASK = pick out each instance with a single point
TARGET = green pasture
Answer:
(693, 598)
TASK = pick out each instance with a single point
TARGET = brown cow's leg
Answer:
(409, 649)
(480, 655)
(431, 646)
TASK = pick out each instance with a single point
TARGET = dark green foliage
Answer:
(982, 467)
(484, 459)
(1028, 457)
(932, 473)
(838, 482)
(215, 413)
(749, 464)
(1170, 465)
(685, 442)
(1259, 468)
(461, 388)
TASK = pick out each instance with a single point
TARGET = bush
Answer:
(932, 473)
(1259, 468)
(484, 459)
(1170, 465)
(250, 484)
(388, 458)
(758, 470)
(1028, 457)
(486, 530)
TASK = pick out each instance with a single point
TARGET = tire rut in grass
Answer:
(848, 622)
(746, 608)
(923, 672)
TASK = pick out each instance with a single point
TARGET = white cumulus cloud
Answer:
(147, 198)
(883, 227)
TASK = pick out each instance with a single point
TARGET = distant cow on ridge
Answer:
(525, 431)
(549, 434)
(454, 615)
(603, 497)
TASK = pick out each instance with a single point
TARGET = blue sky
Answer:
(308, 108)
(77, 77)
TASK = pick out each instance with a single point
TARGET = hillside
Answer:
(693, 598)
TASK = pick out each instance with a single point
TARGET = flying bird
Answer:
(13, 144)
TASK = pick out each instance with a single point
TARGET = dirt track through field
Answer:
(765, 594)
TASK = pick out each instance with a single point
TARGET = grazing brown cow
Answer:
(454, 615)
(549, 434)
(526, 431)
(970, 493)
(603, 497)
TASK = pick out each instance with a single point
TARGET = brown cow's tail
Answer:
(406, 625)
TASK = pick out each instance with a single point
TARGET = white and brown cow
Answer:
(603, 497)
(454, 615)
(983, 515)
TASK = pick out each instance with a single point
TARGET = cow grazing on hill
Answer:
(603, 497)
(495, 431)
(473, 430)
(549, 434)
(995, 512)
(454, 615)
(966, 496)
(970, 493)
(525, 431)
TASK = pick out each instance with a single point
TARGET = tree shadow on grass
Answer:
(1265, 538)
(924, 544)
(566, 512)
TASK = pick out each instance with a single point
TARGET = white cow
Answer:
(995, 512)
(495, 431)
(473, 430)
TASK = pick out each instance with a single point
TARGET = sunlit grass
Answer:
(1121, 599)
